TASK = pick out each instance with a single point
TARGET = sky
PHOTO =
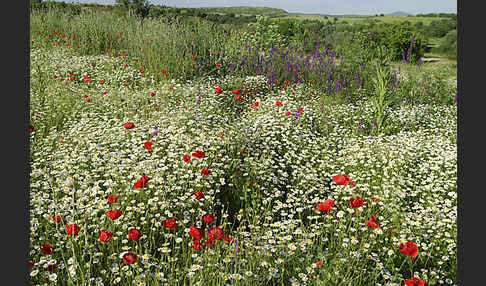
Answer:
(330, 7)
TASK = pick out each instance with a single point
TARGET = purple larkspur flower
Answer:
(316, 50)
(199, 96)
(272, 77)
(338, 86)
(360, 125)
(236, 248)
(297, 113)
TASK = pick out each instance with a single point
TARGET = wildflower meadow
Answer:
(177, 152)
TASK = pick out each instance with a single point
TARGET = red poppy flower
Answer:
(205, 171)
(55, 76)
(112, 199)
(356, 202)
(152, 94)
(47, 248)
(196, 244)
(56, 218)
(31, 265)
(72, 229)
(352, 184)
(51, 267)
(102, 82)
(341, 179)
(142, 71)
(148, 145)
(319, 264)
(105, 235)
(169, 223)
(199, 154)
(287, 113)
(88, 100)
(278, 103)
(114, 214)
(129, 258)
(196, 232)
(415, 281)
(255, 104)
(186, 158)
(199, 195)
(218, 90)
(326, 205)
(31, 128)
(236, 91)
(215, 233)
(239, 98)
(372, 222)
(209, 242)
(208, 218)
(228, 238)
(142, 183)
(128, 125)
(134, 234)
(410, 248)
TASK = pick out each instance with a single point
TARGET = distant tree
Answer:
(382, 15)
(35, 4)
(141, 8)
(335, 19)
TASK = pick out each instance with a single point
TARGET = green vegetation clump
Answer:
(449, 44)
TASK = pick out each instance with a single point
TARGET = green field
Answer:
(365, 19)
(175, 151)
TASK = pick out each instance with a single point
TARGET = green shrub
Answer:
(449, 44)
(426, 88)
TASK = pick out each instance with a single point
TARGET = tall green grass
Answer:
(182, 47)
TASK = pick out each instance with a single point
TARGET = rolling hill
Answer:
(246, 10)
